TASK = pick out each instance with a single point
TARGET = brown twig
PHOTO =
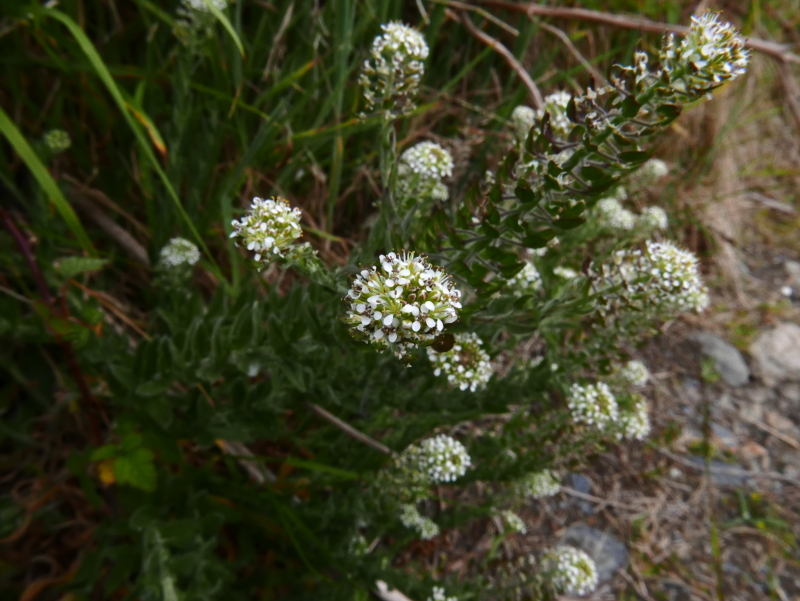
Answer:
(778, 51)
(348, 429)
(132, 246)
(730, 471)
(559, 33)
(463, 18)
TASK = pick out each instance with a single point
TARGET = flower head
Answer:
(422, 168)
(710, 54)
(404, 302)
(634, 373)
(412, 518)
(634, 423)
(438, 594)
(612, 214)
(466, 365)
(522, 119)
(540, 484)
(527, 281)
(195, 20)
(514, 522)
(178, 252)
(268, 228)
(556, 105)
(570, 570)
(593, 405)
(391, 74)
(565, 272)
(57, 140)
(675, 278)
(443, 459)
(653, 218)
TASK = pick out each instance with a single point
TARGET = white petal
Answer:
(392, 336)
(387, 321)
(415, 326)
(430, 322)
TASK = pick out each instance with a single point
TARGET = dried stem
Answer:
(463, 18)
(347, 428)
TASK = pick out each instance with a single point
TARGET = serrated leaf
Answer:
(69, 267)
(136, 469)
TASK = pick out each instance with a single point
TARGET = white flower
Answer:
(466, 365)
(404, 302)
(57, 140)
(635, 423)
(653, 218)
(358, 545)
(556, 106)
(674, 277)
(411, 518)
(634, 373)
(542, 251)
(540, 484)
(711, 53)
(514, 522)
(421, 170)
(202, 6)
(195, 21)
(394, 68)
(443, 459)
(527, 281)
(570, 570)
(522, 119)
(438, 594)
(268, 228)
(653, 170)
(593, 405)
(565, 272)
(178, 252)
(612, 214)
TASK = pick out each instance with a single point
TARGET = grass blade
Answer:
(102, 72)
(46, 181)
(226, 24)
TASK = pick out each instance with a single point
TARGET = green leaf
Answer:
(105, 452)
(630, 108)
(46, 181)
(136, 469)
(69, 267)
(634, 157)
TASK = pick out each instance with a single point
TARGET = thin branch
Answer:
(599, 78)
(463, 18)
(729, 471)
(792, 89)
(348, 429)
(782, 52)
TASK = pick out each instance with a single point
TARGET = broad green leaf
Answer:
(105, 452)
(69, 267)
(136, 469)
(46, 181)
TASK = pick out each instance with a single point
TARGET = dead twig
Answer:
(778, 51)
(535, 94)
(729, 471)
(561, 35)
(348, 429)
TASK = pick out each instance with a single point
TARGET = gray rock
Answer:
(676, 591)
(776, 354)
(793, 271)
(609, 554)
(723, 474)
(692, 389)
(725, 436)
(582, 484)
(728, 361)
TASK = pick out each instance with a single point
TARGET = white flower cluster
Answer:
(570, 570)
(421, 170)
(406, 303)
(522, 119)
(466, 365)
(438, 594)
(593, 405)
(612, 214)
(635, 423)
(394, 69)
(675, 279)
(556, 105)
(443, 459)
(565, 272)
(653, 218)
(514, 522)
(527, 281)
(412, 518)
(178, 252)
(57, 140)
(634, 373)
(195, 20)
(268, 228)
(540, 484)
(711, 53)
